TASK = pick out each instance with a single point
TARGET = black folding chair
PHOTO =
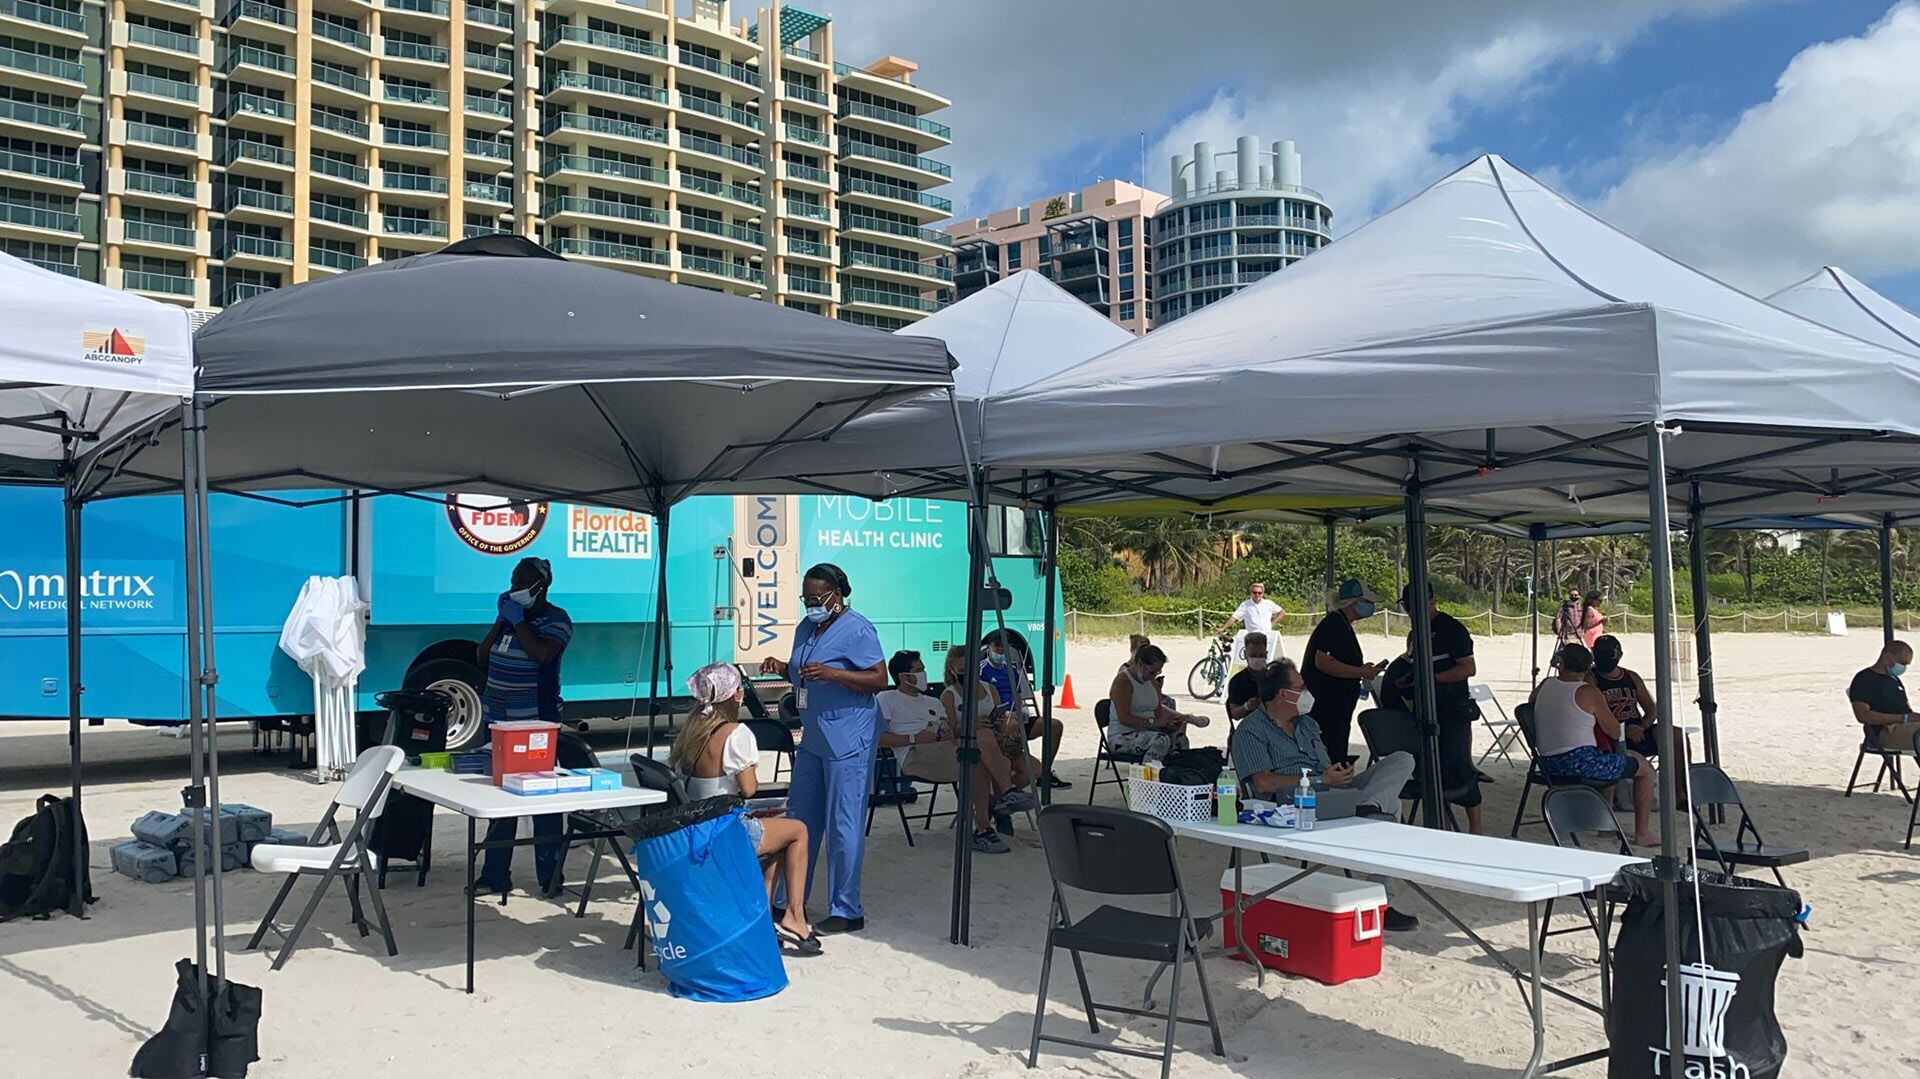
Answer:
(653, 776)
(1106, 754)
(776, 738)
(892, 787)
(1530, 734)
(1387, 731)
(1889, 767)
(787, 714)
(329, 854)
(1572, 812)
(1712, 787)
(1913, 813)
(1110, 852)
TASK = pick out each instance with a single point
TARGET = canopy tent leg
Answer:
(1330, 560)
(209, 679)
(662, 627)
(1886, 578)
(1049, 745)
(1419, 613)
(75, 685)
(1667, 866)
(1702, 626)
(193, 798)
(1533, 607)
(960, 928)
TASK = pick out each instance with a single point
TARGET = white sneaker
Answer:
(1198, 721)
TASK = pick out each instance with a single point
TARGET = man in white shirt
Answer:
(1255, 615)
(918, 731)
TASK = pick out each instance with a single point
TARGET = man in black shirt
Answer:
(1453, 668)
(1243, 691)
(1880, 701)
(1334, 666)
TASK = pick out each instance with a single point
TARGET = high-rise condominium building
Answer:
(201, 151)
(1234, 218)
(1092, 242)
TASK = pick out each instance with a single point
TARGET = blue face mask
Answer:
(1364, 609)
(998, 659)
(820, 614)
(1897, 669)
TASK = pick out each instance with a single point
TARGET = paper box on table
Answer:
(1325, 927)
(531, 783)
(568, 781)
(599, 779)
(523, 745)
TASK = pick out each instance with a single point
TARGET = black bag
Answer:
(1751, 928)
(403, 828)
(175, 1052)
(1193, 767)
(36, 863)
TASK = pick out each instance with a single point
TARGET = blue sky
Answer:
(1756, 139)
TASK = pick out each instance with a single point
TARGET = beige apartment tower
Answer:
(202, 151)
(1092, 243)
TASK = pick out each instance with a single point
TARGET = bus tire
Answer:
(464, 683)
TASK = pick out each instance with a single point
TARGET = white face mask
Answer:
(915, 680)
(522, 596)
(1256, 663)
(1306, 702)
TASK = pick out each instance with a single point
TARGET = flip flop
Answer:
(807, 945)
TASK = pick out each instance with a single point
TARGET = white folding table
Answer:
(476, 798)
(1507, 870)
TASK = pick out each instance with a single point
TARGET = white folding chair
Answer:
(1505, 733)
(365, 792)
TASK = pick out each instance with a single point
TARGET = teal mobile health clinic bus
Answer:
(431, 569)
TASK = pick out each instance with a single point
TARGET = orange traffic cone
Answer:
(1066, 694)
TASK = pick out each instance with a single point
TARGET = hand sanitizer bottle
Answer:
(1303, 803)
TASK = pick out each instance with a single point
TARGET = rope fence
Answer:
(1201, 621)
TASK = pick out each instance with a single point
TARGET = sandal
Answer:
(807, 945)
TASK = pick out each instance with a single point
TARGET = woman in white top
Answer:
(921, 733)
(717, 755)
(1566, 710)
(1142, 720)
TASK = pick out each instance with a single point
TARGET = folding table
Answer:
(476, 798)
(1507, 870)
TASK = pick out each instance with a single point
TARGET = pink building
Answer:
(1093, 243)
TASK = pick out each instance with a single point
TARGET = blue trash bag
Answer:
(706, 903)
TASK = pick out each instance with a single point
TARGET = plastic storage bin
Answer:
(524, 745)
(143, 861)
(1325, 927)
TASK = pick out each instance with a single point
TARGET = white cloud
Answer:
(1826, 171)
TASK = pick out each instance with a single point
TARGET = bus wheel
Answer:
(461, 682)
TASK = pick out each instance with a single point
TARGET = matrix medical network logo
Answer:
(99, 591)
(112, 345)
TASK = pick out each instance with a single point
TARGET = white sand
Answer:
(555, 992)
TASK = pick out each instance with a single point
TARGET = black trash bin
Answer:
(1731, 1031)
(417, 723)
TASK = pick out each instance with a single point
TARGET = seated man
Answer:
(1243, 692)
(1279, 742)
(1568, 715)
(1880, 701)
(924, 741)
(1005, 669)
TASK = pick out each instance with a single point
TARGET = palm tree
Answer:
(1174, 551)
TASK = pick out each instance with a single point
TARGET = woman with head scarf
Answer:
(716, 754)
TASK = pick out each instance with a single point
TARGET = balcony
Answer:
(340, 170)
(23, 112)
(356, 40)
(739, 73)
(568, 204)
(412, 50)
(851, 186)
(808, 94)
(240, 150)
(412, 139)
(895, 228)
(414, 95)
(637, 46)
(600, 166)
(45, 15)
(47, 66)
(499, 193)
(735, 192)
(165, 40)
(345, 80)
(239, 200)
(604, 125)
(334, 260)
(342, 125)
(810, 286)
(244, 105)
(602, 84)
(487, 106)
(809, 210)
(864, 111)
(723, 268)
(807, 174)
(736, 233)
(852, 148)
(416, 182)
(699, 144)
(796, 133)
(490, 16)
(601, 249)
(812, 249)
(799, 53)
(879, 298)
(248, 56)
(337, 215)
(150, 234)
(413, 226)
(891, 264)
(259, 12)
(37, 217)
(242, 290)
(46, 168)
(164, 284)
(721, 112)
(243, 246)
(488, 62)
(153, 183)
(69, 269)
(172, 138)
(418, 7)
(488, 148)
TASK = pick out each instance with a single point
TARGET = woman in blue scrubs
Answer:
(836, 667)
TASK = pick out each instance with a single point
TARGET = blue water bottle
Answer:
(1303, 803)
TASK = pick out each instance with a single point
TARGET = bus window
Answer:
(1013, 533)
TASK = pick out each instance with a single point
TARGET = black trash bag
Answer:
(1732, 1032)
(672, 820)
(176, 1051)
(403, 828)
(1193, 767)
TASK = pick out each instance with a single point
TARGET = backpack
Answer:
(36, 863)
(1193, 767)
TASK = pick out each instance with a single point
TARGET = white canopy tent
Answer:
(82, 368)
(1487, 343)
(1833, 297)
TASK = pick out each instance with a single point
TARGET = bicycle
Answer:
(1209, 676)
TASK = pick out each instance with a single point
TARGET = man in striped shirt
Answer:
(521, 655)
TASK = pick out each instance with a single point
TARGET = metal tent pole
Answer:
(207, 682)
(1533, 602)
(75, 598)
(1886, 578)
(662, 623)
(1049, 745)
(194, 796)
(1667, 866)
(1702, 626)
(1330, 566)
(960, 931)
(1419, 613)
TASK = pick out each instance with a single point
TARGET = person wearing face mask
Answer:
(1334, 667)
(1281, 739)
(1243, 689)
(521, 657)
(919, 732)
(1627, 697)
(836, 668)
(1143, 722)
(1456, 713)
(1880, 700)
(1566, 625)
(1005, 670)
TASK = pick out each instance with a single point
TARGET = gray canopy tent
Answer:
(1486, 344)
(1833, 297)
(494, 366)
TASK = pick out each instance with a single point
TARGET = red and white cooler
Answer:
(1325, 927)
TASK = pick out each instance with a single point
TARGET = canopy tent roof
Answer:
(1835, 298)
(85, 359)
(1498, 332)
(495, 366)
(1005, 336)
